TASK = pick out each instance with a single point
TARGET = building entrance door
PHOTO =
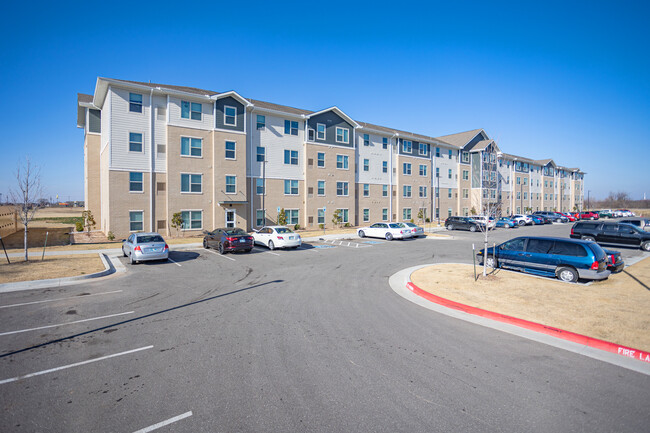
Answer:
(230, 218)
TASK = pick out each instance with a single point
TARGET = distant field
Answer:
(55, 212)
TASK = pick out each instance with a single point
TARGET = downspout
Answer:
(249, 163)
(151, 162)
(214, 171)
(390, 177)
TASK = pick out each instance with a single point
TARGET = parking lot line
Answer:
(221, 255)
(271, 252)
(177, 264)
(164, 423)
(62, 324)
(76, 364)
(60, 299)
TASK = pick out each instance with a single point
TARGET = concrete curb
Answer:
(111, 266)
(625, 357)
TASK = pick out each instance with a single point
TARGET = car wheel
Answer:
(506, 226)
(222, 250)
(362, 234)
(567, 274)
(646, 246)
(588, 238)
(123, 253)
(491, 262)
(591, 218)
(532, 223)
(131, 261)
(271, 245)
(205, 244)
(521, 222)
(472, 229)
(389, 236)
(450, 227)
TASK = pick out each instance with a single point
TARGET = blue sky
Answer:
(561, 80)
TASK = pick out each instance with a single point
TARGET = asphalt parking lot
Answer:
(311, 339)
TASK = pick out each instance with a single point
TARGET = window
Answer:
(437, 171)
(437, 192)
(191, 182)
(231, 184)
(525, 196)
(449, 212)
(135, 102)
(261, 153)
(366, 139)
(230, 149)
(292, 216)
(465, 157)
(259, 186)
(465, 193)
(191, 110)
(366, 215)
(384, 190)
(291, 157)
(342, 162)
(229, 115)
(259, 217)
(406, 168)
(518, 180)
(451, 152)
(320, 131)
(518, 196)
(550, 183)
(567, 249)
(449, 193)
(465, 174)
(423, 170)
(135, 182)
(136, 221)
(192, 219)
(384, 143)
(525, 181)
(342, 135)
(341, 188)
(438, 152)
(320, 159)
(321, 187)
(366, 165)
(366, 190)
(384, 214)
(191, 146)
(321, 216)
(290, 187)
(423, 192)
(514, 245)
(465, 211)
(449, 174)
(406, 191)
(406, 214)
(423, 149)
(343, 213)
(407, 146)
(290, 127)
(135, 142)
(384, 166)
(261, 121)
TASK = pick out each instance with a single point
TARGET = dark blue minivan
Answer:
(566, 259)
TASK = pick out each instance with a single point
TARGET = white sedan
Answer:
(416, 231)
(388, 231)
(277, 237)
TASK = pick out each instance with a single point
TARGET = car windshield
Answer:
(235, 231)
(150, 238)
(410, 225)
(394, 226)
(283, 230)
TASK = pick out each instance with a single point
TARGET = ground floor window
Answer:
(406, 214)
(292, 216)
(449, 212)
(259, 217)
(384, 214)
(321, 216)
(437, 212)
(343, 213)
(192, 219)
(518, 210)
(136, 221)
(465, 211)
(366, 215)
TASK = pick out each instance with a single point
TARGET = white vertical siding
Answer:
(444, 163)
(160, 131)
(275, 142)
(376, 154)
(122, 123)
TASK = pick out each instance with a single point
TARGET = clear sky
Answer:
(567, 80)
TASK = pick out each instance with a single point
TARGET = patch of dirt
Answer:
(51, 267)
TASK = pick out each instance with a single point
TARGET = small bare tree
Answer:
(25, 197)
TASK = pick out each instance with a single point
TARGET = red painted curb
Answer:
(544, 329)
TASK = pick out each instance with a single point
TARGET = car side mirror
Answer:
(123, 240)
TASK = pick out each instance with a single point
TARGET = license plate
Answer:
(153, 250)
(242, 240)
(290, 237)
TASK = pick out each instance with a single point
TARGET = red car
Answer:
(571, 217)
(587, 215)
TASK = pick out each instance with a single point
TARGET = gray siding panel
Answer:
(94, 121)
(415, 149)
(219, 121)
(331, 121)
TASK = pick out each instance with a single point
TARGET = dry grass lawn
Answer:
(614, 310)
(51, 267)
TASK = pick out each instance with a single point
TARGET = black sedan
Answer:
(228, 239)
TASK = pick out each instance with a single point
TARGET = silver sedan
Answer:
(140, 247)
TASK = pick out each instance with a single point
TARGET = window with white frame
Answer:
(259, 218)
(384, 214)
(135, 182)
(465, 211)
(135, 142)
(451, 152)
(320, 216)
(135, 102)
(290, 187)
(291, 157)
(437, 192)
(406, 214)
(192, 219)
(259, 186)
(342, 162)
(406, 191)
(261, 121)
(384, 143)
(465, 193)
(423, 170)
(229, 115)
(438, 152)
(191, 146)
(384, 166)
(261, 153)
(344, 214)
(407, 146)
(465, 157)
(449, 193)
(231, 150)
(342, 189)
(342, 135)
(290, 127)
(366, 165)
(424, 148)
(292, 216)
(136, 221)
(191, 110)
(406, 168)
(321, 187)
(191, 182)
(465, 174)
(423, 192)
(366, 139)
(449, 212)
(437, 171)
(384, 190)
(320, 159)
(366, 190)
(231, 184)
(366, 215)
(321, 131)
(449, 174)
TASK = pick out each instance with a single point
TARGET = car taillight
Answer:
(250, 238)
(594, 266)
(231, 239)
(166, 246)
(571, 230)
(613, 259)
(137, 248)
(280, 238)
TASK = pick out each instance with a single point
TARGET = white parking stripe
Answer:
(62, 324)
(221, 255)
(173, 261)
(164, 423)
(271, 252)
(60, 299)
(77, 364)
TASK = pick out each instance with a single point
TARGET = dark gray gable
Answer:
(479, 137)
(331, 120)
(415, 148)
(232, 102)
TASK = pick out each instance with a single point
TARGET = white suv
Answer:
(485, 221)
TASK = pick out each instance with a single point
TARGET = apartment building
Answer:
(218, 159)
